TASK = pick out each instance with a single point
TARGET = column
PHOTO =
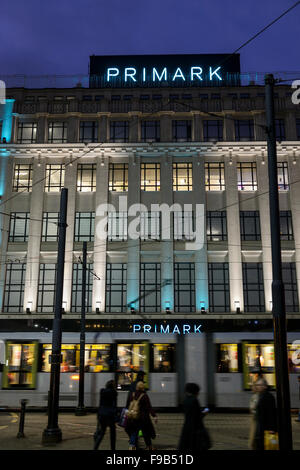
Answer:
(294, 180)
(73, 128)
(103, 134)
(165, 126)
(197, 127)
(259, 122)
(290, 126)
(42, 135)
(100, 245)
(134, 128)
(229, 131)
(34, 240)
(234, 236)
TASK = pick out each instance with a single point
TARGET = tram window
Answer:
(20, 365)
(258, 359)
(227, 358)
(131, 358)
(294, 358)
(97, 357)
(68, 352)
(163, 357)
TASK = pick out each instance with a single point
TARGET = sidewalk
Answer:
(228, 432)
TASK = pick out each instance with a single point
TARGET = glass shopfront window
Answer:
(258, 359)
(163, 357)
(20, 365)
(131, 358)
(227, 358)
(97, 358)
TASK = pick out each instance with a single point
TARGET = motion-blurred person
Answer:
(107, 414)
(194, 436)
(265, 413)
(140, 376)
(252, 408)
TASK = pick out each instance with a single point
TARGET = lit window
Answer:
(19, 226)
(283, 176)
(214, 177)
(14, 287)
(117, 226)
(50, 227)
(247, 179)
(131, 358)
(118, 177)
(86, 177)
(150, 176)
(163, 357)
(22, 178)
(57, 132)
(55, 178)
(27, 132)
(20, 369)
(227, 358)
(84, 226)
(182, 177)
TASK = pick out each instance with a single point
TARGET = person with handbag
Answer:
(194, 435)
(107, 414)
(138, 418)
(265, 415)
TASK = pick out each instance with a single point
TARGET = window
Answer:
(246, 173)
(163, 357)
(77, 287)
(213, 130)
(182, 131)
(150, 225)
(21, 365)
(119, 131)
(116, 287)
(289, 278)
(227, 358)
(118, 177)
(250, 225)
(280, 129)
(84, 226)
(216, 226)
(150, 176)
(117, 226)
(150, 288)
(19, 227)
(182, 177)
(27, 132)
(258, 357)
(57, 132)
(298, 128)
(55, 178)
(131, 358)
(214, 177)
(283, 176)
(253, 286)
(286, 225)
(97, 357)
(218, 287)
(244, 130)
(184, 225)
(293, 358)
(86, 177)
(14, 287)
(184, 287)
(50, 227)
(88, 131)
(46, 288)
(150, 131)
(22, 177)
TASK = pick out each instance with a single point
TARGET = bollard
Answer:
(22, 419)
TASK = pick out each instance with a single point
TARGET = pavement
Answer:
(228, 432)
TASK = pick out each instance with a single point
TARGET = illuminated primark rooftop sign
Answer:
(164, 70)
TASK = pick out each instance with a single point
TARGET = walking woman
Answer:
(143, 420)
(107, 414)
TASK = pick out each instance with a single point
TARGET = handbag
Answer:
(123, 418)
(271, 440)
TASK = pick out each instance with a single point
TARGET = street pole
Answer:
(52, 433)
(80, 410)
(278, 300)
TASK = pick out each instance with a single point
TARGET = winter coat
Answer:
(265, 417)
(194, 436)
(108, 403)
(144, 422)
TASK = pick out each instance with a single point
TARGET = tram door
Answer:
(132, 358)
(20, 367)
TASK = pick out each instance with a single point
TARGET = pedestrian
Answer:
(265, 414)
(107, 414)
(139, 419)
(140, 376)
(252, 407)
(194, 436)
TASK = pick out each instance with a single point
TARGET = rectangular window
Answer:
(14, 287)
(244, 130)
(280, 129)
(213, 130)
(250, 225)
(131, 358)
(27, 132)
(184, 287)
(163, 357)
(22, 178)
(55, 178)
(258, 357)
(57, 132)
(216, 226)
(182, 131)
(283, 176)
(86, 177)
(182, 177)
(150, 176)
(77, 287)
(246, 174)
(116, 287)
(214, 177)
(289, 278)
(298, 128)
(293, 358)
(150, 288)
(286, 225)
(50, 227)
(88, 131)
(218, 287)
(183, 225)
(227, 358)
(117, 226)
(20, 368)
(253, 286)
(150, 131)
(46, 288)
(118, 177)
(119, 131)
(84, 226)
(19, 227)
(150, 225)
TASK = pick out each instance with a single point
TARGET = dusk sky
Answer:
(57, 37)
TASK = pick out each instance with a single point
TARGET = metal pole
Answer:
(80, 410)
(22, 419)
(278, 301)
(52, 433)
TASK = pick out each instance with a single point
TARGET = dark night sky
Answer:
(57, 37)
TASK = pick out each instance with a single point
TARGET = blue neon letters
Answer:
(167, 329)
(132, 74)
